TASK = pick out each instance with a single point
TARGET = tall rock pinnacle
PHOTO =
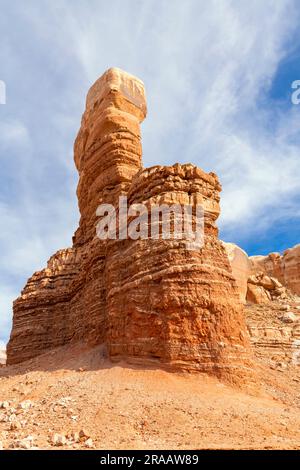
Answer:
(150, 301)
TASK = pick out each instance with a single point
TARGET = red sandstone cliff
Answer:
(149, 301)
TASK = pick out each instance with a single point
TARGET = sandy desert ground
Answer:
(74, 398)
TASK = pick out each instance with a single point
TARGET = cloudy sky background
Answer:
(218, 77)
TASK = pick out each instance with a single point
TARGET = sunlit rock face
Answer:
(285, 268)
(241, 267)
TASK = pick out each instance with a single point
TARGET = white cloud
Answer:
(13, 132)
(205, 66)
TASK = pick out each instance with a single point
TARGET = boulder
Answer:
(257, 294)
(263, 288)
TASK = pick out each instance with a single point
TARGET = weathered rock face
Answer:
(263, 289)
(291, 263)
(66, 302)
(261, 279)
(274, 329)
(285, 268)
(241, 267)
(108, 149)
(270, 265)
(169, 303)
(149, 300)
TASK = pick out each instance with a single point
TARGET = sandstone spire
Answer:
(108, 149)
(150, 301)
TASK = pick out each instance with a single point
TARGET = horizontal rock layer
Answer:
(2, 357)
(166, 302)
(274, 330)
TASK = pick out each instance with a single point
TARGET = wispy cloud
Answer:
(206, 69)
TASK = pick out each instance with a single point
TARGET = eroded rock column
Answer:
(151, 301)
(108, 150)
(66, 302)
(170, 305)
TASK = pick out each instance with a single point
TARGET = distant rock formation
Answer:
(150, 301)
(272, 309)
(262, 289)
(241, 267)
(261, 279)
(285, 268)
(274, 329)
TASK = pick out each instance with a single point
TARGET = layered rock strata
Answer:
(285, 268)
(274, 330)
(154, 301)
(167, 302)
(66, 302)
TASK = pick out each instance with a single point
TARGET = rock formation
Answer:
(261, 279)
(152, 301)
(285, 268)
(274, 330)
(262, 289)
(241, 267)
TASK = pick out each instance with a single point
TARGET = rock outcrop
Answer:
(285, 268)
(266, 285)
(274, 330)
(154, 301)
(241, 267)
(263, 289)
(165, 301)
(261, 279)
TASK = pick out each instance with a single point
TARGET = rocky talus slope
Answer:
(73, 397)
(274, 329)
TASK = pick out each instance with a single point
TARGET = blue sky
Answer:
(218, 77)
